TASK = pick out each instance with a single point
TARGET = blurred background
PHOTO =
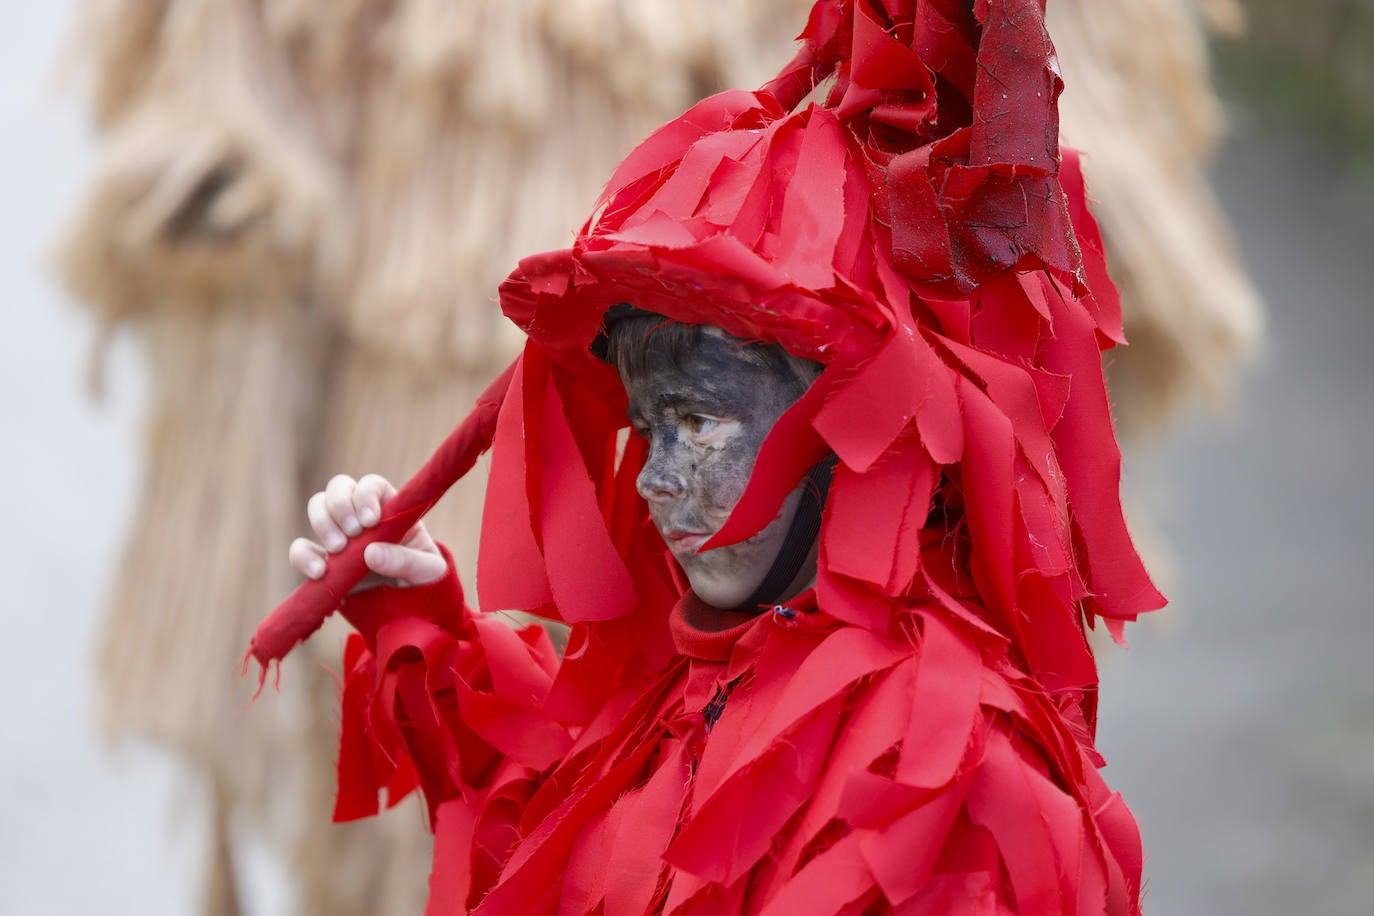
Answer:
(196, 206)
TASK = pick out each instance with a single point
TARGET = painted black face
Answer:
(705, 416)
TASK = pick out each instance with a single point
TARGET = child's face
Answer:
(705, 419)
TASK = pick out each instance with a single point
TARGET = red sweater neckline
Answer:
(708, 633)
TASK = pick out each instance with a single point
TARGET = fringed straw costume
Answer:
(302, 209)
(1140, 106)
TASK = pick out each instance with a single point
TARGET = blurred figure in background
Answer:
(281, 177)
(278, 178)
(1140, 104)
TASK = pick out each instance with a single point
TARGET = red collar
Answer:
(709, 634)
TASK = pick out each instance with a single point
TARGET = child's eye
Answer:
(700, 425)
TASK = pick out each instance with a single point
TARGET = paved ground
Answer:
(1242, 734)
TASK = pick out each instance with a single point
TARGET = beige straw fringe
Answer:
(1139, 102)
(219, 893)
(303, 209)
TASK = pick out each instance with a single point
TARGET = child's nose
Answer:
(661, 477)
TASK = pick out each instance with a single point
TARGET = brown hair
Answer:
(642, 339)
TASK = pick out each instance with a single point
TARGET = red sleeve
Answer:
(439, 697)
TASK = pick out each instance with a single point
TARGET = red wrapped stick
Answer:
(305, 609)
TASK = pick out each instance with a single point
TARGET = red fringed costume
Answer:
(913, 735)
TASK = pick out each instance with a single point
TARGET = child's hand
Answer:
(342, 511)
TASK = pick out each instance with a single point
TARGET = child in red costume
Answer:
(906, 725)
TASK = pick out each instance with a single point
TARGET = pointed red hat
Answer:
(894, 205)
(929, 168)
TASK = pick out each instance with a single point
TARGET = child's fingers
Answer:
(341, 511)
(372, 492)
(404, 564)
(338, 498)
(418, 538)
(307, 558)
(323, 524)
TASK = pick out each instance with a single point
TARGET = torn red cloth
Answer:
(733, 778)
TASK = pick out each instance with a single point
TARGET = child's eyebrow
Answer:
(677, 400)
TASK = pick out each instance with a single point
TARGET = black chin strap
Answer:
(801, 535)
